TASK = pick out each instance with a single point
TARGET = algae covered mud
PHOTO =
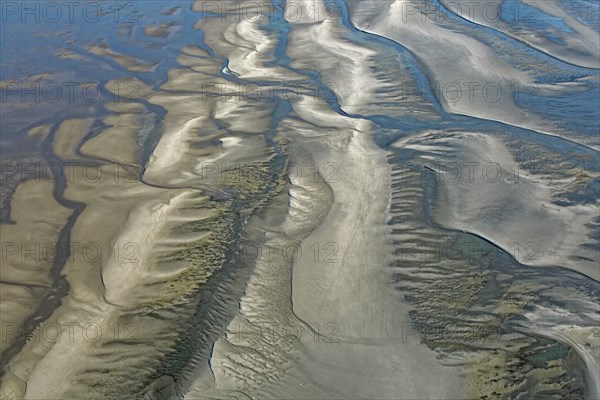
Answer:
(345, 199)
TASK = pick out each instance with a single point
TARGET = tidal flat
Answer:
(300, 199)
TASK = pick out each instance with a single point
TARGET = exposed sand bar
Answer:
(582, 336)
(154, 241)
(470, 76)
(28, 249)
(159, 30)
(131, 63)
(104, 289)
(166, 299)
(246, 46)
(69, 136)
(351, 321)
(121, 133)
(384, 82)
(580, 42)
(492, 196)
(471, 301)
(349, 290)
(131, 270)
(354, 293)
(332, 326)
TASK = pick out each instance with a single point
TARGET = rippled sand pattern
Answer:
(302, 199)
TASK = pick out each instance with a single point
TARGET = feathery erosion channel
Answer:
(300, 199)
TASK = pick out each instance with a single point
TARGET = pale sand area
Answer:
(239, 37)
(385, 85)
(191, 154)
(330, 327)
(247, 47)
(121, 132)
(39, 132)
(130, 231)
(359, 337)
(102, 290)
(163, 30)
(471, 77)
(158, 244)
(207, 112)
(30, 245)
(28, 248)
(125, 89)
(68, 138)
(565, 327)
(579, 329)
(194, 51)
(131, 63)
(463, 300)
(308, 12)
(369, 316)
(581, 43)
(359, 349)
(496, 199)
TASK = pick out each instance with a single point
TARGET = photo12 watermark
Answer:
(54, 12)
(48, 91)
(235, 173)
(324, 253)
(488, 12)
(19, 252)
(70, 331)
(69, 171)
(467, 172)
(257, 11)
(472, 252)
(471, 92)
(242, 332)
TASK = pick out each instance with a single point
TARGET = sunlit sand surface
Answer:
(351, 199)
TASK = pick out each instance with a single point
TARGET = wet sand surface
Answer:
(351, 199)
